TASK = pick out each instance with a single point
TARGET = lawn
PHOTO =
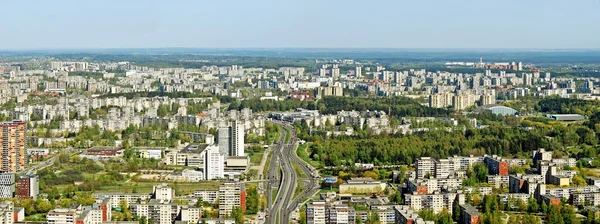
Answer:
(255, 158)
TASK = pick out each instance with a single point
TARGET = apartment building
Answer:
(7, 212)
(315, 212)
(12, 141)
(437, 202)
(207, 195)
(496, 165)
(28, 186)
(231, 194)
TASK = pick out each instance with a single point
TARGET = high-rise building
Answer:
(527, 79)
(223, 141)
(440, 100)
(7, 185)
(12, 141)
(231, 195)
(315, 212)
(237, 139)
(214, 163)
(358, 71)
(231, 139)
(28, 186)
(520, 66)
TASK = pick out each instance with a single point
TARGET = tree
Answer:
(238, 215)
(359, 219)
(42, 206)
(554, 216)
(252, 200)
(444, 218)
(532, 205)
(579, 181)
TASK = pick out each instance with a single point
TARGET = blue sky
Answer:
(71, 24)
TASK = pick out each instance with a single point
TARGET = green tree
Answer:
(532, 205)
(238, 215)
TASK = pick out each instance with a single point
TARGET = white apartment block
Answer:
(315, 212)
(116, 198)
(208, 196)
(61, 216)
(436, 202)
(163, 192)
(230, 195)
(425, 166)
(6, 212)
(214, 163)
(191, 215)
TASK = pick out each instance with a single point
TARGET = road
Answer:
(282, 169)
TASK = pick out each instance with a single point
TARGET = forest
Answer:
(401, 106)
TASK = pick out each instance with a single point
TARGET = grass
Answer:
(255, 158)
(266, 168)
(288, 135)
(303, 154)
(326, 189)
(299, 189)
(299, 171)
(273, 195)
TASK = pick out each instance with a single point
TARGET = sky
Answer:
(460, 24)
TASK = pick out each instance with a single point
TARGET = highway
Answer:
(282, 176)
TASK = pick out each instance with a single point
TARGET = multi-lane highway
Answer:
(283, 177)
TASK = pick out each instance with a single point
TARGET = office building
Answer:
(12, 141)
(214, 163)
(315, 212)
(28, 186)
(7, 185)
(231, 195)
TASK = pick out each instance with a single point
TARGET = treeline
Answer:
(400, 106)
(568, 106)
(403, 149)
(158, 93)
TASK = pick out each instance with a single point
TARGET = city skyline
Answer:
(307, 24)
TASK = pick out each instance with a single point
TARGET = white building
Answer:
(214, 163)
(7, 185)
(163, 192)
(315, 212)
(230, 196)
(6, 212)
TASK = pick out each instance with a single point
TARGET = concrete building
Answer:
(231, 139)
(470, 215)
(207, 195)
(340, 214)
(163, 192)
(231, 194)
(28, 186)
(214, 163)
(157, 211)
(437, 202)
(315, 212)
(425, 166)
(362, 186)
(61, 216)
(496, 165)
(7, 185)
(7, 212)
(541, 155)
(12, 141)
